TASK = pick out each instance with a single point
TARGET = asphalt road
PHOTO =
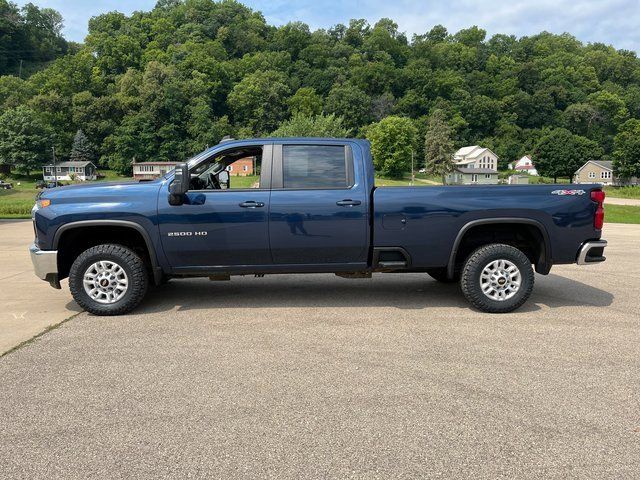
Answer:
(322, 377)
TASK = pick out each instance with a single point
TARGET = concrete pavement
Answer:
(315, 376)
(28, 305)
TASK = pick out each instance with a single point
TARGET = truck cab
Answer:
(307, 208)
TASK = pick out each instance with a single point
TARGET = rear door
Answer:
(319, 206)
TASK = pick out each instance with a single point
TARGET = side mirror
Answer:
(180, 184)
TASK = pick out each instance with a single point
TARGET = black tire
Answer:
(131, 263)
(481, 258)
(440, 274)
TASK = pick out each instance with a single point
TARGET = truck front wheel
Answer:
(497, 278)
(108, 279)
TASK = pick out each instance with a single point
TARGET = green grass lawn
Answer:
(623, 192)
(621, 214)
(17, 202)
(244, 182)
(421, 181)
(534, 180)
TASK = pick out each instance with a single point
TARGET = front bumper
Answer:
(591, 252)
(45, 264)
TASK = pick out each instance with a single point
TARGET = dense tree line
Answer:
(164, 84)
(29, 37)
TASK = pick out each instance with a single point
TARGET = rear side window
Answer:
(315, 166)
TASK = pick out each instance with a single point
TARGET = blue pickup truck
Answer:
(308, 205)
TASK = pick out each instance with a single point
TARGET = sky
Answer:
(615, 22)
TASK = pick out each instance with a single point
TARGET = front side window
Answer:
(315, 166)
(207, 175)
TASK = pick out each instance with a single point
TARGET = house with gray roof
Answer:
(70, 171)
(601, 171)
(474, 165)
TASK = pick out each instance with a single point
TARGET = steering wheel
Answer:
(213, 182)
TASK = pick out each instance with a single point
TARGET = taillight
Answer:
(598, 197)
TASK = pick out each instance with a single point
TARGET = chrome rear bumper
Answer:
(45, 264)
(591, 252)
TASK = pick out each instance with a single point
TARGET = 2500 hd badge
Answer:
(186, 234)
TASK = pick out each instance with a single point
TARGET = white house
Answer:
(69, 171)
(474, 165)
(151, 170)
(476, 157)
(524, 165)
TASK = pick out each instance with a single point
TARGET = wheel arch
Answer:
(542, 264)
(67, 228)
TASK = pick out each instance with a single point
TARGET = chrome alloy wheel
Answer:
(105, 282)
(500, 280)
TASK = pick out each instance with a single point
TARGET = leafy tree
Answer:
(306, 102)
(626, 153)
(350, 103)
(560, 153)
(98, 116)
(316, 126)
(292, 37)
(393, 140)
(25, 140)
(259, 101)
(82, 149)
(31, 37)
(438, 146)
(14, 91)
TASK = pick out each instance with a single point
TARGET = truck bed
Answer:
(425, 221)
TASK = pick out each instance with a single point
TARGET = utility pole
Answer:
(20, 70)
(55, 170)
(413, 175)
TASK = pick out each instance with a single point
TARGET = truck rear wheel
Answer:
(497, 278)
(108, 279)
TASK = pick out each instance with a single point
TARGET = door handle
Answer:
(251, 204)
(348, 203)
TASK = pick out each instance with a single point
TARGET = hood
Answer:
(99, 189)
(97, 184)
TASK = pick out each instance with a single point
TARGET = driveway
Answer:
(322, 377)
(27, 305)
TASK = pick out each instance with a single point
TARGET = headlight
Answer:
(43, 203)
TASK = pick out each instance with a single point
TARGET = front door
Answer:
(219, 226)
(319, 208)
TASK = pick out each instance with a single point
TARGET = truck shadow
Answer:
(402, 291)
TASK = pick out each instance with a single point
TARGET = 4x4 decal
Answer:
(568, 192)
